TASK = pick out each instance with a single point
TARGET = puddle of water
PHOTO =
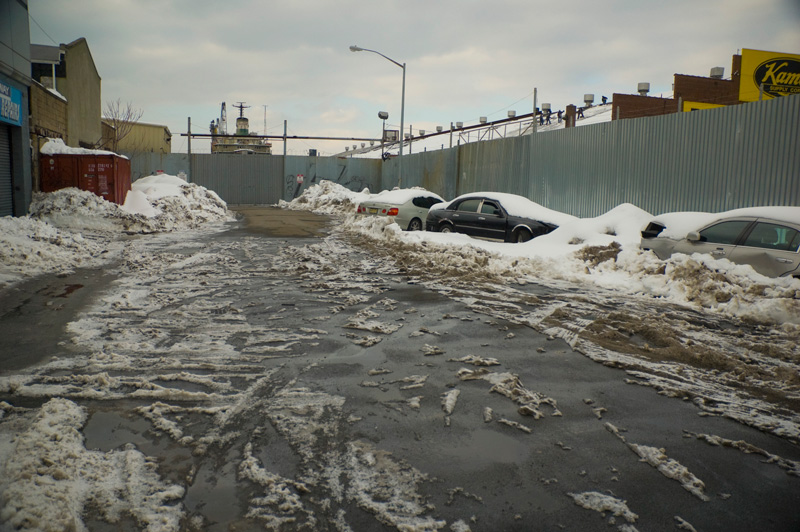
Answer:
(215, 495)
(107, 431)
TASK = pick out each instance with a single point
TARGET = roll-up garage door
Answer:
(6, 189)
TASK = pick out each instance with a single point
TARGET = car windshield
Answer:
(773, 236)
(724, 232)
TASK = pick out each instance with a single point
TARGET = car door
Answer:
(718, 239)
(465, 216)
(770, 248)
(491, 221)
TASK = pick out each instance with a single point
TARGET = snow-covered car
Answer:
(766, 238)
(408, 206)
(495, 215)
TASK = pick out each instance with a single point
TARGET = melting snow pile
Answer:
(603, 251)
(51, 463)
(327, 197)
(51, 239)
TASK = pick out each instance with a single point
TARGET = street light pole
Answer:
(355, 48)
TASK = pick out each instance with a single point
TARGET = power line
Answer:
(41, 28)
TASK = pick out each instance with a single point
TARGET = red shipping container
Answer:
(108, 176)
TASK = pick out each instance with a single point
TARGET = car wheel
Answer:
(522, 235)
(445, 228)
(415, 225)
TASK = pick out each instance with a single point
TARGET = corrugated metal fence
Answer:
(709, 160)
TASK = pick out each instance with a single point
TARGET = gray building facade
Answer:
(15, 80)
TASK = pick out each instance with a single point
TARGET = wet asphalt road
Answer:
(334, 363)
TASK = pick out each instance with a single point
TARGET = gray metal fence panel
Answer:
(145, 164)
(240, 179)
(712, 160)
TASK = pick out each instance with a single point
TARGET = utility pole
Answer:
(189, 147)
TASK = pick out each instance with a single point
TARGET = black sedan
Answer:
(496, 216)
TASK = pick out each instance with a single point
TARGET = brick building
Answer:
(690, 93)
(48, 119)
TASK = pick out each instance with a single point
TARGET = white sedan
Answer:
(408, 206)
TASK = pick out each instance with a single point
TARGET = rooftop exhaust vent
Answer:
(588, 99)
(717, 72)
(643, 88)
(512, 114)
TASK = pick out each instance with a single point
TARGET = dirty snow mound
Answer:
(326, 197)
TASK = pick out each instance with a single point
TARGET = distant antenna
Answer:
(241, 106)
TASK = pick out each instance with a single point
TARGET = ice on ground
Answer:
(665, 465)
(791, 467)
(449, 399)
(51, 480)
(510, 386)
(600, 502)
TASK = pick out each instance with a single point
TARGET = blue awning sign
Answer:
(10, 105)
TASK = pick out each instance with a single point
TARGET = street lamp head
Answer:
(355, 48)
(383, 115)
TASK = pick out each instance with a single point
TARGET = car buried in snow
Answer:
(408, 206)
(496, 216)
(766, 238)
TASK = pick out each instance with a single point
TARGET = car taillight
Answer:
(359, 209)
(392, 212)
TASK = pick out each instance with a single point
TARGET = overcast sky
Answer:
(465, 59)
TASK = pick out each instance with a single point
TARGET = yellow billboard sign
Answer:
(766, 75)
(696, 106)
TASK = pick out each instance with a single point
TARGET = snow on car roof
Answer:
(399, 196)
(678, 224)
(518, 206)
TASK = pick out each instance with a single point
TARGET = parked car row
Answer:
(491, 215)
(766, 238)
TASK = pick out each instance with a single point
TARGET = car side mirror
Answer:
(693, 236)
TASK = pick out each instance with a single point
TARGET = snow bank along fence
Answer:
(711, 160)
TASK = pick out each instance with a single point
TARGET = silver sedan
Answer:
(409, 206)
(766, 238)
